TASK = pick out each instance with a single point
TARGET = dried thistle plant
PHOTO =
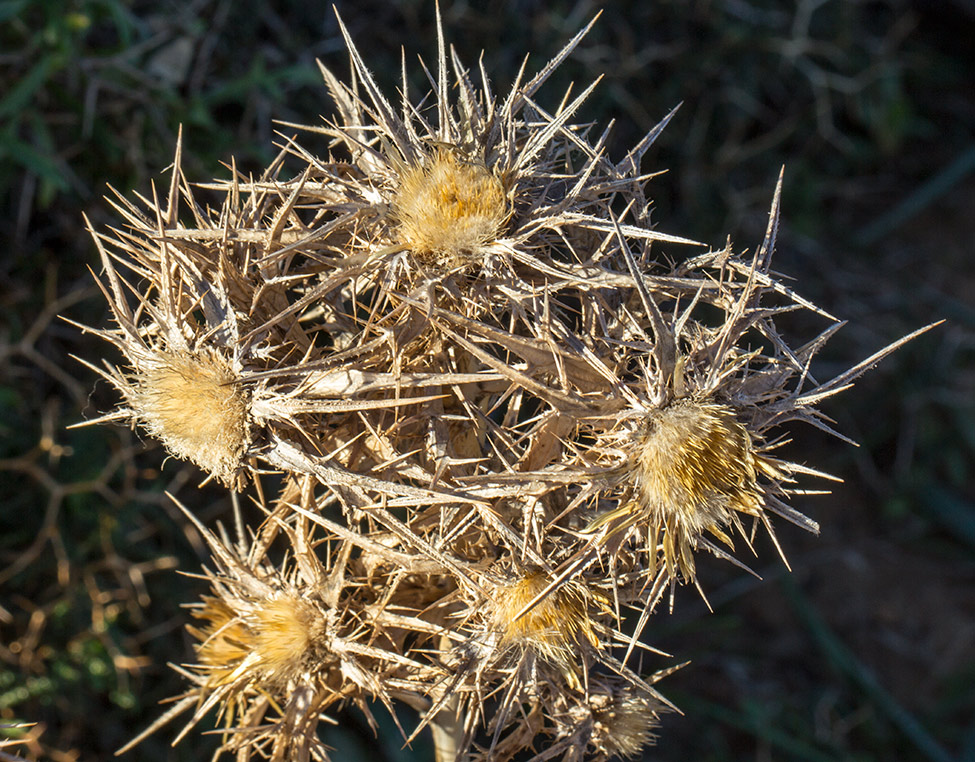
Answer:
(497, 421)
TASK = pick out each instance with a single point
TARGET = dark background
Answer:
(866, 651)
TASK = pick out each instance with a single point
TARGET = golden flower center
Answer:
(694, 470)
(278, 633)
(449, 211)
(558, 620)
(695, 461)
(195, 406)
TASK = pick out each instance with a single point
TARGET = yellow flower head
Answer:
(194, 404)
(553, 626)
(269, 642)
(450, 211)
(692, 468)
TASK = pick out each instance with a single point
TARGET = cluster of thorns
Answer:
(499, 426)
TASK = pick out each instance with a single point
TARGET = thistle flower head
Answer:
(694, 454)
(279, 643)
(449, 211)
(273, 639)
(555, 626)
(194, 404)
(624, 721)
(507, 183)
(693, 469)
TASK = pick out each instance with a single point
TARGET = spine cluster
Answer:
(484, 417)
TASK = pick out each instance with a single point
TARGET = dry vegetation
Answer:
(501, 420)
(478, 417)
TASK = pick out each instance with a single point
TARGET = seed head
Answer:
(623, 724)
(694, 469)
(553, 626)
(276, 634)
(449, 210)
(691, 469)
(195, 406)
(285, 630)
(695, 461)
